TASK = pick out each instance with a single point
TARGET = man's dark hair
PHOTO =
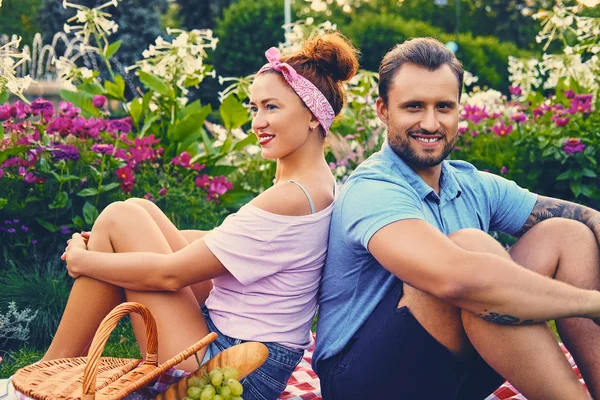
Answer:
(427, 53)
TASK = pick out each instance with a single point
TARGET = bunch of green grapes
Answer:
(218, 384)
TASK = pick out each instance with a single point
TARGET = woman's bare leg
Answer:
(128, 227)
(177, 240)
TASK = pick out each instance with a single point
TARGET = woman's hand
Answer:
(75, 246)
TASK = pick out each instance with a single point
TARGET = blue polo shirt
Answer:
(383, 190)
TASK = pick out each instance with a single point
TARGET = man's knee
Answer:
(477, 240)
(564, 233)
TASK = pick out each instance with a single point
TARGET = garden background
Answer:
(147, 99)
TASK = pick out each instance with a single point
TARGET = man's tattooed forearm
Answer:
(547, 207)
(503, 319)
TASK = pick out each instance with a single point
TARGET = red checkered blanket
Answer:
(304, 383)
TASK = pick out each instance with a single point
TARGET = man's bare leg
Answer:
(528, 356)
(576, 249)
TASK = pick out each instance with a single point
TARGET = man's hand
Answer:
(75, 246)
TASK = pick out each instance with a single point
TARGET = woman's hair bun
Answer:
(334, 54)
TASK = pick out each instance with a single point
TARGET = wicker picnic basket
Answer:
(102, 378)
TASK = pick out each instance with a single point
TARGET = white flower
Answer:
(10, 60)
(253, 149)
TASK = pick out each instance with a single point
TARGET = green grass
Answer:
(121, 344)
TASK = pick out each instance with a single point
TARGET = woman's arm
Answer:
(145, 271)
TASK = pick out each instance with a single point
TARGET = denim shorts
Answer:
(268, 381)
(393, 356)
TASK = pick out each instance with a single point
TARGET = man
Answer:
(417, 301)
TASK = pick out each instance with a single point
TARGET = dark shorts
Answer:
(393, 357)
(270, 379)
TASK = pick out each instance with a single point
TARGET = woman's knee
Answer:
(119, 211)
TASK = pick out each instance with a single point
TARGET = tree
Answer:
(201, 14)
(20, 17)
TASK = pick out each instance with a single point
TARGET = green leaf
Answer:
(227, 144)
(589, 173)
(88, 192)
(116, 90)
(3, 203)
(190, 124)
(147, 124)
(112, 49)
(248, 140)
(218, 170)
(587, 191)
(575, 188)
(109, 187)
(78, 222)
(135, 110)
(11, 151)
(64, 178)
(208, 147)
(93, 88)
(4, 96)
(81, 100)
(48, 225)
(236, 198)
(549, 151)
(189, 140)
(233, 113)
(1, 131)
(564, 175)
(95, 173)
(60, 201)
(155, 83)
(90, 213)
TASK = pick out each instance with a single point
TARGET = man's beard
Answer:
(401, 145)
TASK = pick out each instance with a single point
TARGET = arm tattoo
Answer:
(503, 319)
(548, 207)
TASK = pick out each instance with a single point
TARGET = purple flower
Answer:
(65, 230)
(515, 90)
(573, 145)
(1, 172)
(503, 170)
(42, 106)
(83, 181)
(163, 191)
(34, 242)
(5, 112)
(11, 230)
(121, 125)
(16, 221)
(569, 94)
(30, 177)
(102, 148)
(581, 103)
(475, 134)
(99, 101)
(64, 152)
(520, 117)
(24, 228)
(88, 128)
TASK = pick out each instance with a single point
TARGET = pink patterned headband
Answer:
(310, 95)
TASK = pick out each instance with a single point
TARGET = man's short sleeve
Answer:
(368, 205)
(510, 204)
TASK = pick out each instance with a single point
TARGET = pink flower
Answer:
(68, 110)
(5, 112)
(163, 191)
(203, 181)
(519, 118)
(99, 101)
(103, 148)
(502, 130)
(20, 110)
(538, 112)
(218, 187)
(30, 177)
(125, 175)
(149, 196)
(573, 145)
(462, 129)
(474, 113)
(183, 159)
(198, 167)
(569, 94)
(61, 125)
(1, 172)
(503, 170)
(560, 121)
(475, 134)
(515, 90)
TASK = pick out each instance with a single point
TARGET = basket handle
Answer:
(107, 325)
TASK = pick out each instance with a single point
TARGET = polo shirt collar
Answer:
(449, 187)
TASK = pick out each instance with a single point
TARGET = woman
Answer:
(264, 261)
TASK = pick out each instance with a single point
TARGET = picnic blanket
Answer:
(304, 383)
